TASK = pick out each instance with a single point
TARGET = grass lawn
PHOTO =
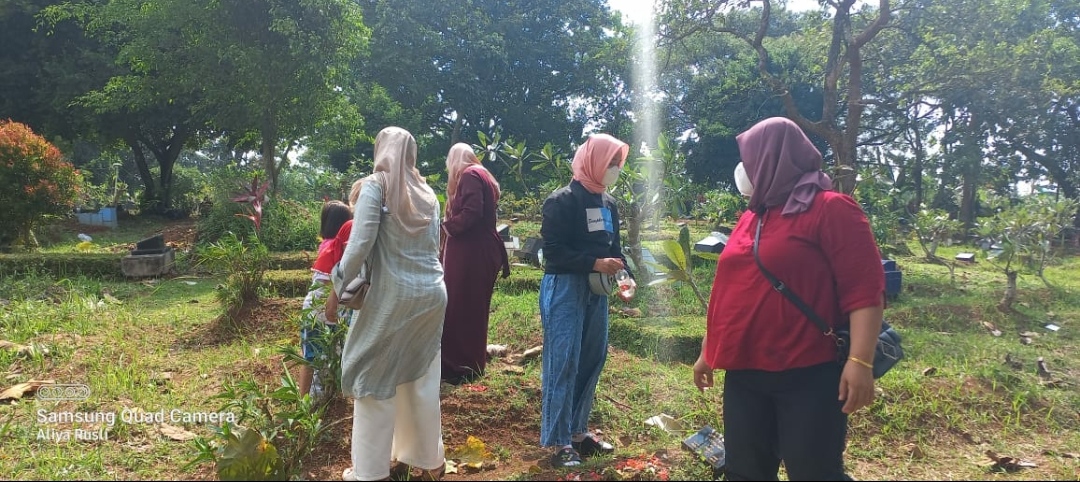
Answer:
(143, 347)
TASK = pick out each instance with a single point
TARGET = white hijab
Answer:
(407, 196)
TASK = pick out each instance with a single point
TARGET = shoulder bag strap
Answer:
(782, 289)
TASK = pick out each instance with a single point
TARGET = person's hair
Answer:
(354, 192)
(334, 214)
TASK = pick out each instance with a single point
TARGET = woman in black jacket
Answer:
(580, 228)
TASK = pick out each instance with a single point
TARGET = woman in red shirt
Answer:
(785, 396)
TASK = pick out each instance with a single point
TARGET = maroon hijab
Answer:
(783, 165)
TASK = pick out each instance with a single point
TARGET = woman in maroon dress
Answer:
(472, 258)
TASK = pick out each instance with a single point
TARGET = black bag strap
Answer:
(781, 288)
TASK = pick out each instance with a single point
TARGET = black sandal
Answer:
(591, 446)
(566, 457)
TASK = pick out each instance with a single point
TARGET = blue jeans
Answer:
(575, 348)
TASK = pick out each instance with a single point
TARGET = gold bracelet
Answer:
(856, 360)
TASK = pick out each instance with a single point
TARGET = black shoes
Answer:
(592, 446)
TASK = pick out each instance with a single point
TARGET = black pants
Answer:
(792, 416)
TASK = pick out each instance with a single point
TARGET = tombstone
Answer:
(714, 243)
(504, 232)
(151, 257)
(650, 262)
(893, 279)
(530, 252)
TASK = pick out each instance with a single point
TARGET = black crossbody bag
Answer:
(888, 351)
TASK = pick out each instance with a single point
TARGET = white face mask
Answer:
(610, 176)
(742, 181)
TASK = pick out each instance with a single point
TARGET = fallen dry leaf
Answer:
(1052, 383)
(1014, 364)
(511, 369)
(473, 455)
(1064, 455)
(1044, 372)
(496, 351)
(476, 388)
(175, 433)
(929, 371)
(451, 467)
(1005, 462)
(161, 378)
(17, 391)
(531, 353)
(993, 329)
(914, 450)
(20, 350)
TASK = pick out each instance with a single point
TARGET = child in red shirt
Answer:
(321, 310)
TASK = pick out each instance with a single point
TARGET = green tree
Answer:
(838, 63)
(535, 71)
(262, 72)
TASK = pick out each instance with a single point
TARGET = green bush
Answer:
(244, 263)
(287, 225)
(288, 283)
(189, 189)
(105, 266)
(292, 260)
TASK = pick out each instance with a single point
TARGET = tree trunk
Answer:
(149, 199)
(455, 133)
(1010, 292)
(845, 173)
(633, 241)
(165, 151)
(967, 198)
(844, 57)
(269, 164)
(917, 169)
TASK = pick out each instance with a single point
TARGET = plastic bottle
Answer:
(626, 285)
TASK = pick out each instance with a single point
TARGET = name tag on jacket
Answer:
(598, 219)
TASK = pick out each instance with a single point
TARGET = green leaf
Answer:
(249, 457)
(707, 255)
(684, 240)
(675, 253)
(661, 281)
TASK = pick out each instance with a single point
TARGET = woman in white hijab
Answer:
(390, 363)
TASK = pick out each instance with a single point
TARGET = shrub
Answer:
(286, 225)
(35, 182)
(104, 266)
(292, 283)
(274, 431)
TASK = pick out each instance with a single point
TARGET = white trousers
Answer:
(406, 428)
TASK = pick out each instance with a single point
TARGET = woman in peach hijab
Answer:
(580, 228)
(472, 258)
